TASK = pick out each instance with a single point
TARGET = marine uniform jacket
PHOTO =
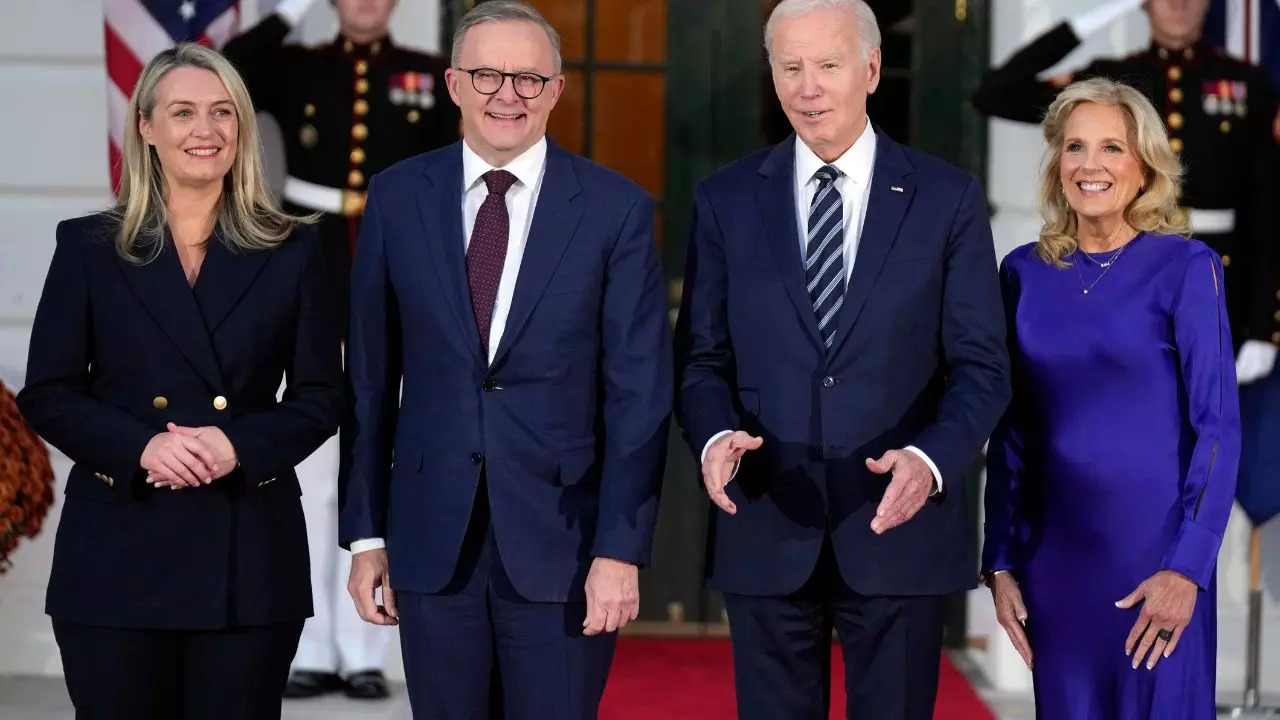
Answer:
(346, 110)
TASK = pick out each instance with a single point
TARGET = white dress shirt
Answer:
(529, 168)
(856, 166)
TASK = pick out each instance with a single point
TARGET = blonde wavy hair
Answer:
(1154, 209)
(247, 215)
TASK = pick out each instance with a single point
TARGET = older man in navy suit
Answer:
(841, 358)
(515, 290)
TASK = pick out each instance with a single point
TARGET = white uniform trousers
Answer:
(334, 639)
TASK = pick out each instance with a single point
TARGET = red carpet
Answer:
(668, 679)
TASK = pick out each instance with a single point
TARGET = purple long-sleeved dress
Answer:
(1117, 459)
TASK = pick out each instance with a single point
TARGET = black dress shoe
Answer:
(367, 685)
(310, 683)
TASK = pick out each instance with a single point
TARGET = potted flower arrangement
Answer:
(26, 479)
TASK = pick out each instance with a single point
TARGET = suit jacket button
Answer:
(477, 458)
(160, 403)
(219, 403)
(828, 381)
(490, 385)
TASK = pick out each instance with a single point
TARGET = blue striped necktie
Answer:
(824, 256)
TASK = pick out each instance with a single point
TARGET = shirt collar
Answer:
(856, 163)
(527, 166)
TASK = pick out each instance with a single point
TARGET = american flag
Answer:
(138, 29)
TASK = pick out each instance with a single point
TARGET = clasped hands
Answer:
(911, 481)
(1168, 600)
(187, 457)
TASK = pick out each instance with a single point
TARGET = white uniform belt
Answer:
(1212, 222)
(339, 201)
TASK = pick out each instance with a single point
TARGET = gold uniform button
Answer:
(362, 86)
(309, 110)
(362, 107)
(414, 116)
(1175, 95)
(1277, 316)
(355, 178)
(357, 156)
(1176, 145)
(161, 402)
(1275, 337)
(1226, 261)
(1175, 120)
(359, 131)
(362, 67)
(1175, 73)
(219, 403)
(1225, 126)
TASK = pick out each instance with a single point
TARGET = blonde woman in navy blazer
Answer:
(180, 582)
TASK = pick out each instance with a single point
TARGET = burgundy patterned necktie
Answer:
(487, 251)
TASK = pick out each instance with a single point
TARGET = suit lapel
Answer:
(225, 276)
(555, 218)
(891, 192)
(775, 198)
(441, 212)
(162, 288)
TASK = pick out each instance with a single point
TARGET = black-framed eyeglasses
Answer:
(488, 81)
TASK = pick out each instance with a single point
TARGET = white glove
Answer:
(1088, 23)
(1255, 361)
(293, 10)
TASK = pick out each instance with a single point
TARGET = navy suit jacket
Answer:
(918, 359)
(117, 351)
(569, 424)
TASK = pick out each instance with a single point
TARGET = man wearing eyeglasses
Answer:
(504, 505)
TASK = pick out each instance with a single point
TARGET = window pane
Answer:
(566, 121)
(630, 117)
(569, 18)
(631, 31)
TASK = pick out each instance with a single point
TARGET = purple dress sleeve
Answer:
(1204, 347)
(1006, 451)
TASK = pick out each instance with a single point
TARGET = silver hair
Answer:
(868, 28)
(503, 11)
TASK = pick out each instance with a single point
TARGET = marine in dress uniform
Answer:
(1221, 115)
(346, 110)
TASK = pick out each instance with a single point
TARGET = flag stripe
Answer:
(136, 26)
(123, 65)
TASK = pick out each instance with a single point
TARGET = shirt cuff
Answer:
(707, 447)
(293, 10)
(937, 476)
(358, 546)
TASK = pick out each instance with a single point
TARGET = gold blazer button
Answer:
(219, 403)
(161, 402)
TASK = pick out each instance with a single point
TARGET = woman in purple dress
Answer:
(1110, 479)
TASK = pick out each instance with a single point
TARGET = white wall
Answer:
(1013, 177)
(53, 142)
